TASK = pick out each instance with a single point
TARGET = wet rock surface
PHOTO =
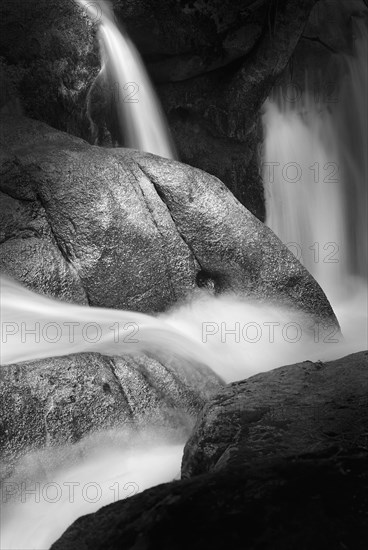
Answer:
(51, 402)
(122, 229)
(217, 71)
(326, 43)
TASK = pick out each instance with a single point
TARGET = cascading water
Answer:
(36, 327)
(309, 215)
(52, 488)
(141, 118)
(316, 177)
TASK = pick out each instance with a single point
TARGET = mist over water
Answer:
(52, 488)
(317, 206)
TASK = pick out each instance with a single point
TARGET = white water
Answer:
(141, 117)
(236, 337)
(316, 178)
(51, 489)
(40, 501)
(197, 330)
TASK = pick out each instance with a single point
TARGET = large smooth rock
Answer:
(123, 229)
(293, 410)
(315, 502)
(55, 401)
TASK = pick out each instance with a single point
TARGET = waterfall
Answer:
(316, 187)
(316, 177)
(141, 118)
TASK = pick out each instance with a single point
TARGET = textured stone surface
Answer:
(123, 229)
(49, 55)
(293, 410)
(308, 503)
(280, 463)
(59, 400)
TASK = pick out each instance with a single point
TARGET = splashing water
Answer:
(235, 337)
(141, 117)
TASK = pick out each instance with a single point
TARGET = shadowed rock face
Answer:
(293, 410)
(214, 63)
(308, 503)
(296, 478)
(123, 229)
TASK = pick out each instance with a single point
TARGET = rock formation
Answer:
(292, 479)
(59, 400)
(214, 64)
(111, 228)
(289, 411)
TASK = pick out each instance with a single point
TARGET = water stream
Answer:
(316, 203)
(141, 118)
(315, 174)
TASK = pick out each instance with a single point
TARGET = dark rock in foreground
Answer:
(123, 229)
(293, 480)
(309, 503)
(293, 410)
(59, 400)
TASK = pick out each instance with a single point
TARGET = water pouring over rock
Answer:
(140, 120)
